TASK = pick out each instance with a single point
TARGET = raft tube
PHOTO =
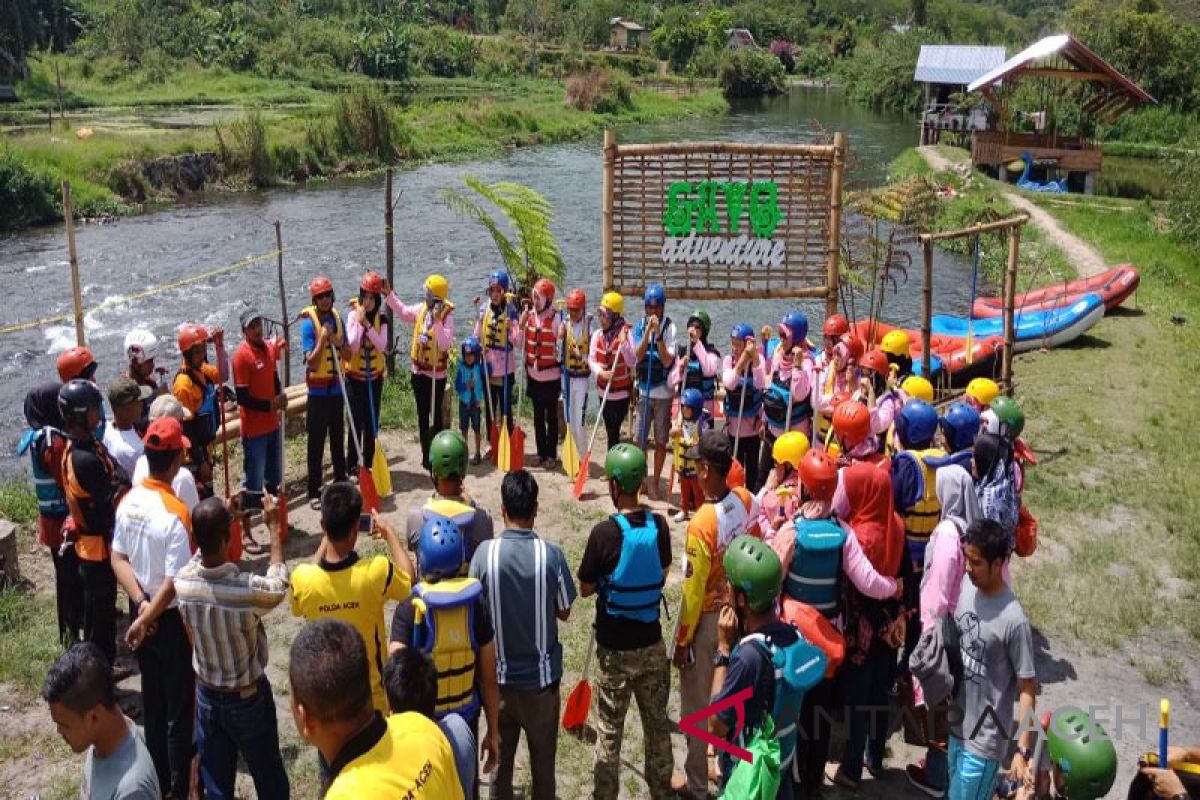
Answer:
(947, 352)
(1114, 286)
(1033, 329)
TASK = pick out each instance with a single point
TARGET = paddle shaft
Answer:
(600, 414)
(337, 367)
(645, 426)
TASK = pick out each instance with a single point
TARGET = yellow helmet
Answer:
(438, 286)
(983, 390)
(895, 342)
(917, 388)
(613, 302)
(790, 448)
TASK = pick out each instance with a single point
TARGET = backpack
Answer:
(798, 667)
(997, 495)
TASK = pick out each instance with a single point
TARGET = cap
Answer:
(124, 391)
(715, 447)
(248, 317)
(165, 433)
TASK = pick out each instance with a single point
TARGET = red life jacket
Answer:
(541, 346)
(603, 353)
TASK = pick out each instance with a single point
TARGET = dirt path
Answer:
(1085, 258)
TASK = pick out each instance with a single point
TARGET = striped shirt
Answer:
(223, 608)
(526, 581)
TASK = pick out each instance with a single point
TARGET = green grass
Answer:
(29, 631)
(18, 503)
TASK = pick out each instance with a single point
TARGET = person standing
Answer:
(469, 384)
(76, 362)
(653, 340)
(789, 387)
(497, 330)
(528, 587)
(198, 387)
(141, 350)
(123, 441)
(322, 340)
(368, 333)
(447, 471)
(184, 484)
(541, 328)
(625, 563)
(223, 609)
(429, 352)
(611, 360)
(699, 365)
(577, 336)
(260, 397)
(744, 376)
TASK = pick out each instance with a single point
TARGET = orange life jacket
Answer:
(89, 545)
(604, 352)
(541, 346)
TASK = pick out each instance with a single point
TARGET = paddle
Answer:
(516, 442)
(579, 702)
(366, 483)
(570, 454)
(737, 472)
(282, 498)
(676, 422)
(493, 431)
(379, 465)
(585, 462)
(235, 524)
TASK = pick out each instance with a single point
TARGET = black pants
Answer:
(544, 396)
(814, 733)
(168, 697)
(428, 423)
(500, 395)
(765, 461)
(747, 451)
(68, 594)
(361, 407)
(325, 416)
(615, 412)
(99, 606)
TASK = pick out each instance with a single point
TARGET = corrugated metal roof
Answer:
(955, 63)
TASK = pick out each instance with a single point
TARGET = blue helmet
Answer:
(960, 424)
(441, 550)
(655, 295)
(797, 324)
(498, 277)
(742, 332)
(471, 345)
(693, 399)
(916, 424)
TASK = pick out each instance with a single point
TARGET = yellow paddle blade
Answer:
(380, 471)
(504, 453)
(570, 456)
(970, 345)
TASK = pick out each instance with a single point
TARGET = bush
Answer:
(363, 123)
(880, 75)
(783, 50)
(750, 72)
(27, 197)
(444, 52)
(384, 49)
(599, 90)
(1153, 124)
(1184, 206)
(245, 149)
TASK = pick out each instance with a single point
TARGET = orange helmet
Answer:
(854, 345)
(371, 282)
(545, 289)
(835, 325)
(74, 363)
(576, 299)
(191, 335)
(320, 285)
(876, 361)
(819, 474)
(852, 423)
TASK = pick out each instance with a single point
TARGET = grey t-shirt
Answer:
(478, 525)
(997, 649)
(127, 774)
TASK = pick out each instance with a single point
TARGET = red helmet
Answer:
(371, 282)
(320, 285)
(545, 288)
(875, 361)
(835, 325)
(576, 299)
(819, 474)
(191, 335)
(74, 363)
(854, 345)
(852, 423)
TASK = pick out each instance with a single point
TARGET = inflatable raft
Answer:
(1114, 287)
(947, 353)
(1033, 329)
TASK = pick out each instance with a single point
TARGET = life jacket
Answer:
(798, 667)
(689, 436)
(40, 442)
(541, 346)
(605, 352)
(775, 403)
(694, 377)
(814, 575)
(201, 429)
(367, 362)
(462, 514)
(816, 629)
(89, 545)
(325, 375)
(651, 371)
(576, 351)
(634, 589)
(494, 329)
(923, 517)
(420, 354)
(445, 629)
(733, 398)
(733, 517)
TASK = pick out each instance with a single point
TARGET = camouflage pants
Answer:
(644, 675)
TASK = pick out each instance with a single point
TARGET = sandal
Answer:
(314, 503)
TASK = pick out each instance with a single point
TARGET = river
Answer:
(336, 228)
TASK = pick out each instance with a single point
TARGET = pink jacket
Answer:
(710, 364)
(626, 354)
(885, 411)
(442, 330)
(855, 564)
(941, 582)
(801, 380)
(741, 428)
(542, 375)
(355, 331)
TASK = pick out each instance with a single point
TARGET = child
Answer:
(468, 385)
(692, 420)
(780, 495)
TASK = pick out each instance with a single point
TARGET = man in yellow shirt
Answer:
(340, 585)
(406, 756)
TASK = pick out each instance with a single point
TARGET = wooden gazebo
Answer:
(1106, 96)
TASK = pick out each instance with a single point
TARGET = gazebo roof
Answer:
(955, 63)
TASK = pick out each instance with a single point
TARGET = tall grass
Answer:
(18, 503)
(29, 631)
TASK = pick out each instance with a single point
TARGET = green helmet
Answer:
(752, 566)
(703, 318)
(1009, 412)
(626, 465)
(1084, 753)
(448, 454)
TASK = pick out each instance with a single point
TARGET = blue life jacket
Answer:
(798, 667)
(754, 398)
(775, 403)
(813, 576)
(50, 498)
(694, 377)
(650, 370)
(634, 589)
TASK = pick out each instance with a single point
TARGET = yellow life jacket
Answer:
(324, 375)
(824, 423)
(422, 355)
(689, 436)
(494, 330)
(577, 366)
(367, 361)
(922, 518)
(445, 629)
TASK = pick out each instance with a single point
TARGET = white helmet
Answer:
(141, 346)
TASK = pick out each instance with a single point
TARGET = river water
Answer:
(336, 229)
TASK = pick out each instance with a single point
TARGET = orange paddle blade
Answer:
(366, 485)
(235, 540)
(494, 440)
(581, 478)
(516, 443)
(575, 711)
(736, 476)
(283, 520)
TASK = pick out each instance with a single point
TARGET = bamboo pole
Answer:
(76, 291)
(835, 222)
(989, 227)
(1010, 291)
(390, 261)
(927, 309)
(826, 151)
(606, 207)
(684, 293)
(287, 367)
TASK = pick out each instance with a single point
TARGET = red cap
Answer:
(165, 433)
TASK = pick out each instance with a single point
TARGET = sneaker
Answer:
(916, 776)
(534, 461)
(841, 780)
(681, 516)
(314, 503)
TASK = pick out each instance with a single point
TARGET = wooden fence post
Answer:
(606, 208)
(390, 262)
(927, 309)
(1010, 291)
(76, 291)
(287, 366)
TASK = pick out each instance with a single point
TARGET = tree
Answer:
(678, 37)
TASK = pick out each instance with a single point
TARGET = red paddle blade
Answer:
(736, 476)
(494, 440)
(581, 478)
(575, 711)
(283, 520)
(366, 485)
(516, 446)
(235, 540)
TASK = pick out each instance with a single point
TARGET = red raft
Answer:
(1114, 286)
(951, 351)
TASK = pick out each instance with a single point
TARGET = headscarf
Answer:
(991, 451)
(873, 517)
(41, 406)
(956, 493)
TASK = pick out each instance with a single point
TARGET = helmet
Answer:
(576, 299)
(471, 345)
(498, 277)
(895, 342)
(876, 361)
(76, 398)
(752, 567)
(918, 387)
(613, 302)
(141, 346)
(854, 346)
(790, 448)
(916, 423)
(190, 335)
(851, 423)
(960, 424)
(440, 548)
(74, 363)
(448, 454)
(703, 318)
(797, 324)
(373, 284)
(545, 288)
(320, 285)
(1084, 753)
(819, 474)
(1011, 416)
(655, 295)
(835, 325)
(626, 465)
(438, 286)
(741, 332)
(983, 391)
(693, 399)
